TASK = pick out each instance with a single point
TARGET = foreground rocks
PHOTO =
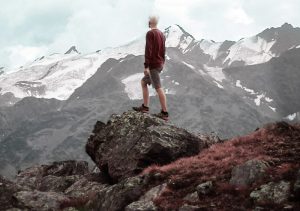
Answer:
(272, 193)
(143, 139)
(56, 176)
(7, 190)
(49, 187)
(118, 196)
(255, 172)
(38, 200)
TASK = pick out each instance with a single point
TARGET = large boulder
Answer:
(132, 141)
(273, 193)
(248, 172)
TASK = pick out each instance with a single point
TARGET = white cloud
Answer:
(96, 24)
(20, 55)
(238, 15)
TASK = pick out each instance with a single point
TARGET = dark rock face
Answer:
(118, 196)
(187, 207)
(84, 186)
(56, 176)
(51, 187)
(145, 202)
(144, 140)
(7, 189)
(71, 50)
(297, 186)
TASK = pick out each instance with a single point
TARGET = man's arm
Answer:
(148, 49)
(164, 49)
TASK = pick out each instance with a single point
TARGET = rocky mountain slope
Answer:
(276, 80)
(158, 166)
(207, 89)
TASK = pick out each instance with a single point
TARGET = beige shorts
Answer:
(153, 78)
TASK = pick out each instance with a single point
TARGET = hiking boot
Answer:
(142, 108)
(163, 115)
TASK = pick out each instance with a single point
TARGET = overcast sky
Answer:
(33, 28)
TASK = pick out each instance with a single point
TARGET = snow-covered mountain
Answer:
(58, 75)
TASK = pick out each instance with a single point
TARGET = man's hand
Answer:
(146, 71)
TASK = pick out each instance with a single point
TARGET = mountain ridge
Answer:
(78, 68)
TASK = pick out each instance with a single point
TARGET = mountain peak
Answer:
(175, 28)
(176, 36)
(286, 30)
(72, 50)
(287, 26)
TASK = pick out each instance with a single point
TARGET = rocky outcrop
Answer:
(264, 163)
(297, 186)
(51, 186)
(56, 176)
(132, 141)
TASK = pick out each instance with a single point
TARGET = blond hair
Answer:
(153, 19)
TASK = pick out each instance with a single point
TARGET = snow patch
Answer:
(175, 82)
(258, 99)
(175, 37)
(211, 48)
(238, 84)
(268, 99)
(253, 50)
(189, 65)
(273, 109)
(215, 72)
(63, 73)
(219, 85)
(133, 86)
(170, 92)
(291, 117)
(259, 96)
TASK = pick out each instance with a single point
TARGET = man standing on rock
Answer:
(154, 62)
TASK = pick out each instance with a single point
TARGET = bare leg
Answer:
(145, 93)
(162, 99)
